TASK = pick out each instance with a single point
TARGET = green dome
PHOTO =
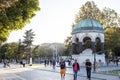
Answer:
(87, 24)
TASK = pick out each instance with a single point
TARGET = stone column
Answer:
(81, 47)
(102, 47)
(73, 48)
(93, 47)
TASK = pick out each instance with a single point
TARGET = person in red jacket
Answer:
(76, 68)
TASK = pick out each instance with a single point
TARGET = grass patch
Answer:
(112, 72)
(35, 64)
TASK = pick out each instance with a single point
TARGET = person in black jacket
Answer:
(76, 68)
(88, 65)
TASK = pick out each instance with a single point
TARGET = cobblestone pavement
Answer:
(95, 76)
(47, 73)
(10, 77)
(34, 74)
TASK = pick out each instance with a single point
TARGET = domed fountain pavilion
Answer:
(84, 32)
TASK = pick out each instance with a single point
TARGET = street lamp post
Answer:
(94, 43)
(94, 68)
(94, 62)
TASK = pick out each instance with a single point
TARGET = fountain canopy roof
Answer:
(87, 24)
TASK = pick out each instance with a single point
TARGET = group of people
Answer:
(6, 63)
(76, 68)
(22, 63)
(50, 62)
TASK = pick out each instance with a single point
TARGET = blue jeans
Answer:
(75, 74)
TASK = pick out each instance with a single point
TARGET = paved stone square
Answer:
(47, 73)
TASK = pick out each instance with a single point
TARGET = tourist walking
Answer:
(62, 69)
(5, 63)
(88, 65)
(54, 63)
(45, 62)
(116, 61)
(23, 62)
(76, 68)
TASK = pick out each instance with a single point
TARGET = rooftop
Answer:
(87, 24)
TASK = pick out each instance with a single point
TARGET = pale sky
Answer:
(53, 22)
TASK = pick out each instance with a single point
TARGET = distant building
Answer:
(57, 48)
